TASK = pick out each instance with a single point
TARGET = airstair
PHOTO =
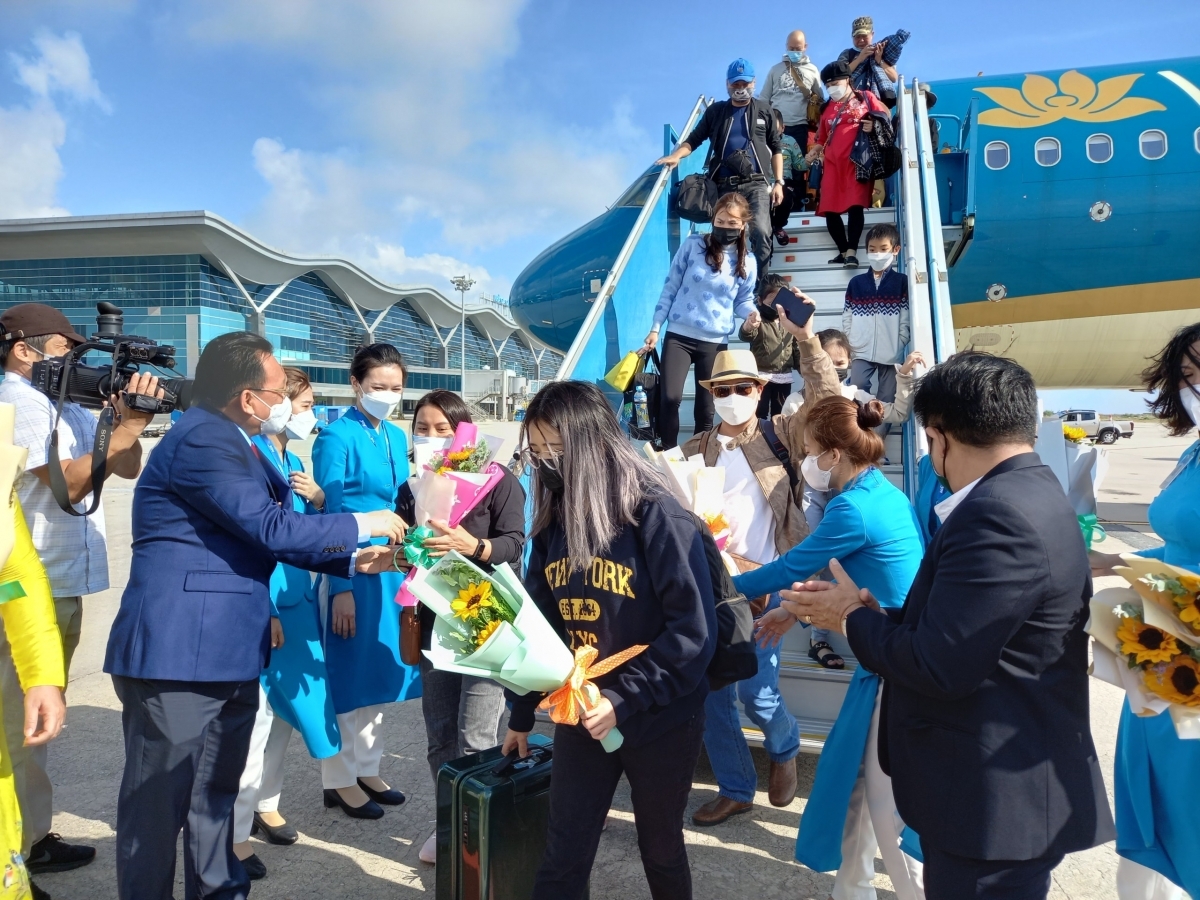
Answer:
(622, 312)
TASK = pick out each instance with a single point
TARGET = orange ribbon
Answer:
(578, 692)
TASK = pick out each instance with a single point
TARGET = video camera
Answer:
(65, 377)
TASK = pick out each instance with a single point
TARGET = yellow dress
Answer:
(27, 610)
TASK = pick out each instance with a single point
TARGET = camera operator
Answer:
(72, 548)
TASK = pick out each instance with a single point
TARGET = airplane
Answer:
(1067, 202)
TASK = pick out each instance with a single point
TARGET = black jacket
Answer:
(984, 726)
(650, 587)
(715, 124)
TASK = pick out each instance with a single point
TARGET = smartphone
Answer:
(797, 310)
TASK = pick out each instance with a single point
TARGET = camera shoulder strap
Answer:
(58, 480)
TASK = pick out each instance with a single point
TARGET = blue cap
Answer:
(740, 70)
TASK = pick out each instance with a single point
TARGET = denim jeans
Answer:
(462, 714)
(723, 738)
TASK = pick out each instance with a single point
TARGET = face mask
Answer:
(842, 374)
(816, 477)
(551, 479)
(301, 424)
(880, 261)
(735, 409)
(740, 94)
(838, 91)
(277, 419)
(379, 404)
(795, 57)
(725, 236)
(941, 477)
(1191, 403)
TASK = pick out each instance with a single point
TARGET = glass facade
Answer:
(185, 301)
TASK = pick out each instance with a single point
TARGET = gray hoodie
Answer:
(791, 99)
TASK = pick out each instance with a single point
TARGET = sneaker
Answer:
(850, 261)
(838, 260)
(782, 237)
(53, 854)
(428, 852)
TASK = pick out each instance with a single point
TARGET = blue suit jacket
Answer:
(208, 529)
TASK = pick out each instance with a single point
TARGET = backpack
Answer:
(767, 428)
(735, 658)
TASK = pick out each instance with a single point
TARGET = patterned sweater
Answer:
(876, 319)
(697, 302)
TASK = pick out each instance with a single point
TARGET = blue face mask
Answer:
(795, 57)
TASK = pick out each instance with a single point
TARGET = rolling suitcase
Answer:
(491, 823)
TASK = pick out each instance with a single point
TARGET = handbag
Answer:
(620, 375)
(647, 377)
(410, 635)
(696, 198)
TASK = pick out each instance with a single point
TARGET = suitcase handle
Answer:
(537, 755)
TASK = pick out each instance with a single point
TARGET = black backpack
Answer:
(735, 658)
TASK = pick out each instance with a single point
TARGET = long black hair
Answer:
(452, 406)
(1165, 375)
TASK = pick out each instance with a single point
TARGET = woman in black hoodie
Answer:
(615, 562)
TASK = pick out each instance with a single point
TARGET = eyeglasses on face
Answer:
(742, 388)
(533, 461)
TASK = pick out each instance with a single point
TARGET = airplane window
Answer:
(1153, 144)
(995, 155)
(1047, 151)
(638, 192)
(1099, 148)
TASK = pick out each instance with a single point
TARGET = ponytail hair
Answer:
(848, 425)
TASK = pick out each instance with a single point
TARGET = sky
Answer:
(424, 140)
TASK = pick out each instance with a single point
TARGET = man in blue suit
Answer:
(984, 722)
(193, 630)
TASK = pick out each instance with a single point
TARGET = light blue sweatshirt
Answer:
(697, 302)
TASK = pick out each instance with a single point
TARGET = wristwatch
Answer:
(478, 554)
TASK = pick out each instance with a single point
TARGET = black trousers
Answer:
(950, 877)
(678, 355)
(585, 779)
(185, 748)
(773, 397)
(779, 215)
(846, 235)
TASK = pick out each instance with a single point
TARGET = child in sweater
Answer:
(876, 316)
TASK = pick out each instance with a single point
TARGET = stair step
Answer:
(792, 259)
(808, 231)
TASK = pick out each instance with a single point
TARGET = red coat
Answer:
(840, 189)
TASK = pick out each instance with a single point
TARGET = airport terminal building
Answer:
(185, 277)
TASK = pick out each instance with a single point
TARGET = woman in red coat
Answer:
(841, 191)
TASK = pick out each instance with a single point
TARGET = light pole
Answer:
(462, 284)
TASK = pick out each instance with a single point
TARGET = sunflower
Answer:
(1178, 682)
(472, 600)
(1190, 611)
(486, 632)
(1144, 643)
(460, 456)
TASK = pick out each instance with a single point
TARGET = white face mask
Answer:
(880, 262)
(1191, 402)
(816, 477)
(277, 419)
(301, 424)
(735, 409)
(379, 404)
(838, 91)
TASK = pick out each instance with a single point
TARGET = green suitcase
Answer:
(491, 823)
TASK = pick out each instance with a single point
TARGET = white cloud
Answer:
(31, 135)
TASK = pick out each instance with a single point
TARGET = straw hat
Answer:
(731, 365)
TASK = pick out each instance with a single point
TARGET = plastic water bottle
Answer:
(641, 407)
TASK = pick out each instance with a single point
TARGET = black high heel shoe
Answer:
(390, 797)
(282, 834)
(369, 810)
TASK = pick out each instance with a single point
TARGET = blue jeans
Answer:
(723, 738)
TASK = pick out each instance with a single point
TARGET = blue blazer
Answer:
(209, 525)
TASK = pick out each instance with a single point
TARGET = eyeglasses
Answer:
(742, 388)
(267, 390)
(533, 461)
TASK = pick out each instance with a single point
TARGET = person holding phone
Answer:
(775, 349)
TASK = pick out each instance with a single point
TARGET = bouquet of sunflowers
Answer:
(1148, 640)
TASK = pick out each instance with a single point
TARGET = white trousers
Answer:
(1136, 882)
(362, 748)
(873, 823)
(262, 779)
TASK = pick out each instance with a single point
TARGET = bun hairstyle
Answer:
(847, 425)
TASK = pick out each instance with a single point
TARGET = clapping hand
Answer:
(826, 604)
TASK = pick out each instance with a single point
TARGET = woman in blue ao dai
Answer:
(1157, 784)
(361, 460)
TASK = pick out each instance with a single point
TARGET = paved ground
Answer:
(339, 857)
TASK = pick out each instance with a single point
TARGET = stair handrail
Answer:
(567, 368)
(939, 280)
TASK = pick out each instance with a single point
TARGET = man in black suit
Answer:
(984, 723)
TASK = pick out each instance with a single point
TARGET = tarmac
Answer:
(338, 857)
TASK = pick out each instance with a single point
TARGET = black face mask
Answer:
(842, 374)
(725, 236)
(767, 312)
(551, 480)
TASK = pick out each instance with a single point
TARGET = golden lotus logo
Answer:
(1040, 101)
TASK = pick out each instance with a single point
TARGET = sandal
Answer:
(822, 653)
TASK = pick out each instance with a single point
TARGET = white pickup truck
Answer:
(1103, 431)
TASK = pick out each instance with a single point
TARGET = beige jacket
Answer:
(820, 381)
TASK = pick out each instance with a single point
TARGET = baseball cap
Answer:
(26, 320)
(862, 25)
(740, 70)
